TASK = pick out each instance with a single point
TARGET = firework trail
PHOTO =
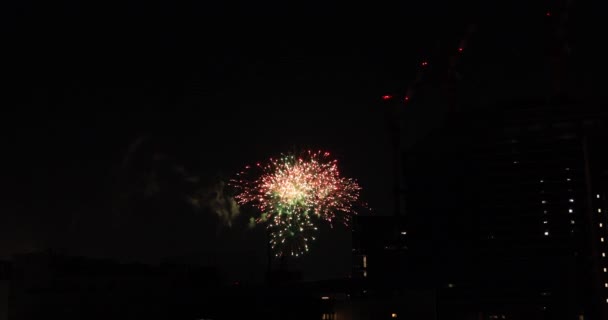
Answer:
(293, 193)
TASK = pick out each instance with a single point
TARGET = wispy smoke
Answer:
(215, 199)
(146, 173)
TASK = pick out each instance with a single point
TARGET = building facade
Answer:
(514, 202)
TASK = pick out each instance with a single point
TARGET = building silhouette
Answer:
(50, 285)
(505, 191)
(5, 275)
(512, 202)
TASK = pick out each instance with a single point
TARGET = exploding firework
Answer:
(293, 192)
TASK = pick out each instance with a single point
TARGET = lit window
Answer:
(365, 262)
(599, 209)
(393, 315)
(602, 239)
(605, 285)
(365, 274)
(605, 270)
(541, 181)
(545, 211)
(572, 222)
(545, 222)
(604, 254)
(601, 224)
(597, 195)
(543, 202)
(324, 298)
(546, 233)
(570, 210)
(568, 179)
(403, 232)
(571, 200)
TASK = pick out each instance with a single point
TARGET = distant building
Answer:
(390, 276)
(379, 247)
(50, 286)
(514, 203)
(539, 211)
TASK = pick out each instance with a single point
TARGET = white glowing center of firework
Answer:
(291, 192)
(292, 185)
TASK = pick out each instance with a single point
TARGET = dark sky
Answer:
(207, 87)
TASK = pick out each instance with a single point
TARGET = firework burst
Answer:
(293, 193)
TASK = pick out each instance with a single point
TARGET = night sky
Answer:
(113, 102)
